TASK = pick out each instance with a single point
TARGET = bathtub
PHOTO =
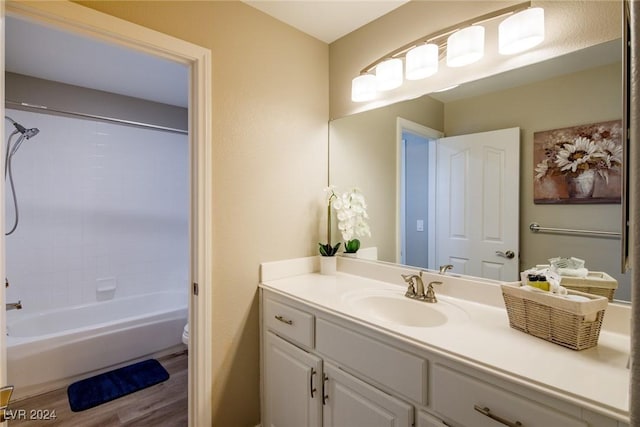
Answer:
(50, 349)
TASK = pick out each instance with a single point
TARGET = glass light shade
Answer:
(521, 31)
(421, 61)
(465, 46)
(363, 88)
(389, 74)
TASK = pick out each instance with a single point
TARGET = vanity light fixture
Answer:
(461, 44)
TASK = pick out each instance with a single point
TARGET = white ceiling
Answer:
(46, 53)
(326, 20)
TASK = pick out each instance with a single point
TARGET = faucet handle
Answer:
(409, 279)
(430, 294)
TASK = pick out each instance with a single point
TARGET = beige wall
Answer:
(569, 26)
(363, 154)
(586, 97)
(270, 109)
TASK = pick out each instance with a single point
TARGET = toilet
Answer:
(185, 334)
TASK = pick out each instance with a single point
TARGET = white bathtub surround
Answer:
(595, 382)
(49, 349)
(103, 213)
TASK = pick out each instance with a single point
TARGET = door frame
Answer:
(404, 125)
(89, 23)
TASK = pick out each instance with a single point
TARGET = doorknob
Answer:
(507, 254)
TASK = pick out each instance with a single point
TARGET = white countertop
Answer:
(595, 378)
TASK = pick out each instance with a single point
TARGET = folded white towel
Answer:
(573, 272)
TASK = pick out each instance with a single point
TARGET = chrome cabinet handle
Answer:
(487, 413)
(283, 320)
(325, 396)
(507, 254)
(311, 388)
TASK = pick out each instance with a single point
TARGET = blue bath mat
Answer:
(111, 385)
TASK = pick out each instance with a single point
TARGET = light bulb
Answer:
(465, 46)
(389, 74)
(521, 31)
(363, 88)
(421, 61)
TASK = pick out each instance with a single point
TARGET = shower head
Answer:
(28, 133)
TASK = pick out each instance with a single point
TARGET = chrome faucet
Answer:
(445, 268)
(416, 288)
(14, 306)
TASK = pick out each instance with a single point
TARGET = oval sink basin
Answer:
(394, 307)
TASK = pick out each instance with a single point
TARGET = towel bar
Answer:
(535, 227)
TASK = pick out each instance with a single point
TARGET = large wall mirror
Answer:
(368, 150)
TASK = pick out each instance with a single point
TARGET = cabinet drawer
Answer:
(389, 366)
(289, 322)
(456, 395)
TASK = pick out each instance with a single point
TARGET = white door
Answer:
(350, 402)
(477, 212)
(292, 385)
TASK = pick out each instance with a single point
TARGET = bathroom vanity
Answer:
(351, 350)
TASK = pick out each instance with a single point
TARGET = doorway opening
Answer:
(87, 23)
(416, 193)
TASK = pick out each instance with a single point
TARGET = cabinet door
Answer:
(428, 420)
(349, 402)
(292, 385)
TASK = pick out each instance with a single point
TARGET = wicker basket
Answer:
(596, 283)
(572, 324)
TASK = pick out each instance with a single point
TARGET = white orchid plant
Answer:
(590, 148)
(351, 211)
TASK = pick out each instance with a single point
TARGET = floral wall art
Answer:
(579, 164)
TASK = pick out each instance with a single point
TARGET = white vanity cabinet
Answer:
(323, 368)
(301, 389)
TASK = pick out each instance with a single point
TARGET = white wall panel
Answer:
(99, 204)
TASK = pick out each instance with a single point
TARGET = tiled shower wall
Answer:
(103, 212)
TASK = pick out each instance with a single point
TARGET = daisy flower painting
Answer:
(580, 164)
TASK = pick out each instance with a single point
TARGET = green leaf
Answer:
(352, 246)
(335, 249)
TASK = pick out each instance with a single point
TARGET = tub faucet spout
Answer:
(14, 306)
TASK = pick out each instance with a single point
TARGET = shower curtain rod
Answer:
(26, 106)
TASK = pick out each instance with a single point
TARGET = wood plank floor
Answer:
(162, 405)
